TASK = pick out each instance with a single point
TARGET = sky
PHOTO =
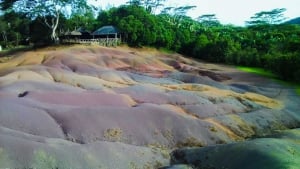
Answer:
(234, 12)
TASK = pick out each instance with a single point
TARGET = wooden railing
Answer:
(100, 41)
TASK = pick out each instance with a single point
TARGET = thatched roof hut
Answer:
(78, 33)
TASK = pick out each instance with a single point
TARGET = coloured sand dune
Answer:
(114, 108)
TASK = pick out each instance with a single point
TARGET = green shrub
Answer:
(43, 160)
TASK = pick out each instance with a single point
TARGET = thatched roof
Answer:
(79, 31)
(106, 30)
(73, 33)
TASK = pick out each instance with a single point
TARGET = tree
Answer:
(135, 2)
(83, 19)
(208, 20)
(274, 16)
(6, 5)
(14, 29)
(138, 26)
(150, 5)
(176, 15)
(49, 10)
(165, 33)
(3, 28)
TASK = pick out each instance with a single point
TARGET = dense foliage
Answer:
(262, 43)
(275, 47)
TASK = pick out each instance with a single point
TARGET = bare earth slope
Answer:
(114, 108)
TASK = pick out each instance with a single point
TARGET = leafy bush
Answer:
(43, 160)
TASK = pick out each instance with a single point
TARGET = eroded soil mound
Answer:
(97, 107)
(277, 151)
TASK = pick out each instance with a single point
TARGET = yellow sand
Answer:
(215, 92)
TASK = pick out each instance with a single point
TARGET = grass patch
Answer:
(266, 73)
(41, 159)
(11, 51)
(258, 71)
(290, 84)
(165, 50)
(298, 90)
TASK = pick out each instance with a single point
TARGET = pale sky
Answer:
(227, 11)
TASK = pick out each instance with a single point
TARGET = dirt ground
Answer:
(96, 107)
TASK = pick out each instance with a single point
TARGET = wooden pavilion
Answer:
(104, 36)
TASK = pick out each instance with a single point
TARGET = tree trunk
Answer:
(53, 26)
(4, 35)
(54, 36)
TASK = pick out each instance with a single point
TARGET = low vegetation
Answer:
(269, 74)
(258, 71)
(43, 160)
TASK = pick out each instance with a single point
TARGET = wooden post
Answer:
(106, 40)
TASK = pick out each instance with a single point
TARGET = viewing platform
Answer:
(98, 41)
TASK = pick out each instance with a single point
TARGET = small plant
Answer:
(4, 160)
(221, 142)
(43, 160)
(190, 142)
(213, 129)
(132, 165)
(113, 134)
(157, 164)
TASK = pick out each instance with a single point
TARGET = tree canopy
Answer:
(49, 11)
(208, 20)
(275, 16)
